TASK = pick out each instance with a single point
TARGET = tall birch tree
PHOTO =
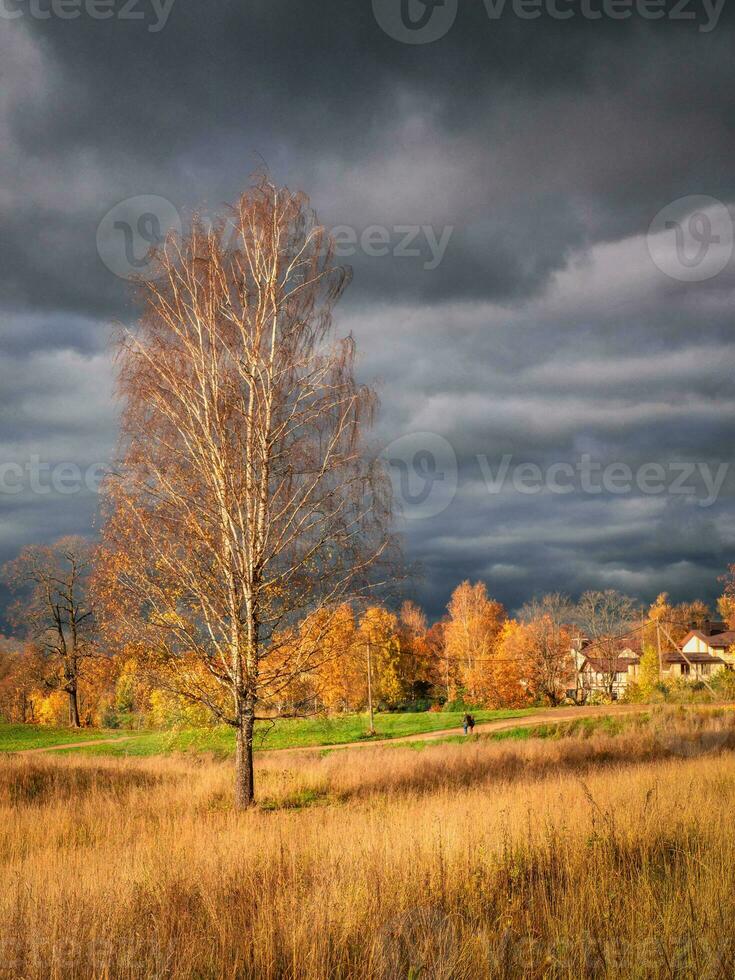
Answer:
(244, 499)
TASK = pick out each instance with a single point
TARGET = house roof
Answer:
(717, 641)
(621, 664)
(675, 657)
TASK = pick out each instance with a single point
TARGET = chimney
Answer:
(711, 627)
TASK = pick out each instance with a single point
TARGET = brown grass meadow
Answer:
(605, 856)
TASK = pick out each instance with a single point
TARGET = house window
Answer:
(706, 668)
(685, 669)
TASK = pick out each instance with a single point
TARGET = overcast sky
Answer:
(518, 290)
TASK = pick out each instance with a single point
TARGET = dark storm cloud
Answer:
(529, 138)
(538, 152)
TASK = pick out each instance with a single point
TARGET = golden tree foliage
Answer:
(669, 624)
(500, 682)
(379, 628)
(339, 680)
(726, 602)
(471, 632)
(726, 609)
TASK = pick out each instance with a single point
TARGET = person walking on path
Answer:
(470, 724)
(466, 722)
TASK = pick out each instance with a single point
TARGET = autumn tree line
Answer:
(63, 672)
(62, 669)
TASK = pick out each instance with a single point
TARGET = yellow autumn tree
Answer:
(471, 633)
(509, 687)
(379, 628)
(339, 681)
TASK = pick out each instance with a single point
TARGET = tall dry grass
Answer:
(577, 858)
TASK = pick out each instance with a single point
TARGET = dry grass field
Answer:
(605, 856)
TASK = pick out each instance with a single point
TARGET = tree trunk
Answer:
(73, 708)
(244, 782)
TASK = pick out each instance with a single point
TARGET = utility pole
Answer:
(658, 645)
(371, 730)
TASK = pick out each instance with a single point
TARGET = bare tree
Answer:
(244, 499)
(549, 655)
(54, 610)
(605, 617)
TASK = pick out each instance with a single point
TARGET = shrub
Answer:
(633, 694)
(724, 683)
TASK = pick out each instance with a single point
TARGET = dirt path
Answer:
(73, 745)
(526, 721)
(485, 728)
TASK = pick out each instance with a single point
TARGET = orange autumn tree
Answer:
(675, 620)
(447, 670)
(21, 681)
(726, 602)
(549, 662)
(243, 499)
(505, 683)
(420, 657)
(470, 634)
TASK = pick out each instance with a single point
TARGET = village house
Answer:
(714, 640)
(603, 674)
(704, 652)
